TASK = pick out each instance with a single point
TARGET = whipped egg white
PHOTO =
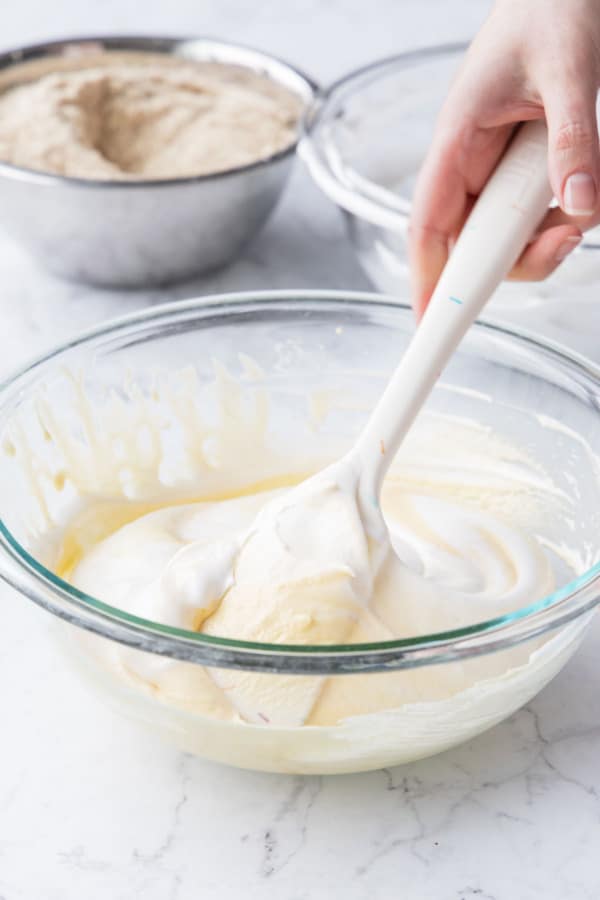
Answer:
(153, 507)
(296, 567)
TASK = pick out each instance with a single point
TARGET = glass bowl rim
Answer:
(23, 572)
(387, 210)
(381, 207)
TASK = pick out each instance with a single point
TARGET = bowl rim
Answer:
(380, 207)
(265, 63)
(19, 568)
(387, 211)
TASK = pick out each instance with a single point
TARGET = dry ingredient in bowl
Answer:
(145, 118)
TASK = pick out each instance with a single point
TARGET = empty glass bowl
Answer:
(365, 140)
(321, 359)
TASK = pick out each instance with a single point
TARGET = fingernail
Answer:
(580, 195)
(567, 245)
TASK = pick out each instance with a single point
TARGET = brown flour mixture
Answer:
(129, 119)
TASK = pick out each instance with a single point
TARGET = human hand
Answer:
(532, 58)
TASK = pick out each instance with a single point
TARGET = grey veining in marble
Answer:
(90, 807)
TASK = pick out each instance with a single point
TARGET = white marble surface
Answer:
(89, 807)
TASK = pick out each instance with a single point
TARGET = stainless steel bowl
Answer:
(142, 233)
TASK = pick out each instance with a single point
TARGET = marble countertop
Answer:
(89, 807)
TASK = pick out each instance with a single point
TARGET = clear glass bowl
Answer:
(329, 344)
(365, 140)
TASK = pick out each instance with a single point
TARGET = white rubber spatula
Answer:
(504, 217)
(309, 560)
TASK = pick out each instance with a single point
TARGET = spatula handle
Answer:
(504, 217)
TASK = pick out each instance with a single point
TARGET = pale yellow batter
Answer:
(307, 577)
(199, 533)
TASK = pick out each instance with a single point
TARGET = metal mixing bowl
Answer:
(142, 233)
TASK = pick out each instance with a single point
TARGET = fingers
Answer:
(438, 204)
(556, 216)
(574, 170)
(544, 254)
(428, 254)
(434, 225)
(573, 150)
(511, 74)
(457, 166)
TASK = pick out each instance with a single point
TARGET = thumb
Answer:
(573, 146)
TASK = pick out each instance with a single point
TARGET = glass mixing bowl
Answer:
(365, 139)
(322, 359)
